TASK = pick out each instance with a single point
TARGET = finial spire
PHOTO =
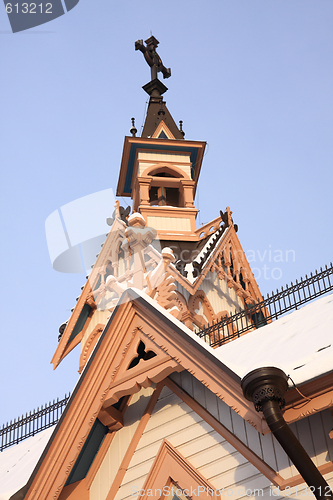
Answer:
(133, 129)
(181, 128)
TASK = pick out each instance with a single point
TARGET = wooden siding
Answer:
(220, 296)
(311, 431)
(213, 456)
(198, 442)
(143, 165)
(170, 223)
(147, 159)
(118, 447)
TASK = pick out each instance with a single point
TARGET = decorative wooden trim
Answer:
(151, 372)
(206, 228)
(181, 174)
(193, 303)
(89, 345)
(228, 239)
(63, 349)
(316, 404)
(162, 126)
(98, 459)
(135, 441)
(171, 467)
(111, 418)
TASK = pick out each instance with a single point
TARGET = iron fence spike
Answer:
(321, 269)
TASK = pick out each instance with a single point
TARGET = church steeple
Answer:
(158, 120)
(160, 169)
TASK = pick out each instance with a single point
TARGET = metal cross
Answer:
(152, 57)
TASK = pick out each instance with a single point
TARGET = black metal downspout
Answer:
(266, 388)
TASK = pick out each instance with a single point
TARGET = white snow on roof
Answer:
(18, 462)
(202, 255)
(300, 343)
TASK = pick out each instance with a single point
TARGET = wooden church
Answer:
(161, 410)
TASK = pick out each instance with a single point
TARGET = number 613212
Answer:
(29, 8)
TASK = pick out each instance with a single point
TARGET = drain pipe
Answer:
(266, 388)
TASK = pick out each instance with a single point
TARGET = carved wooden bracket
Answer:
(111, 418)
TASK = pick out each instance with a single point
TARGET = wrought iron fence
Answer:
(275, 305)
(34, 422)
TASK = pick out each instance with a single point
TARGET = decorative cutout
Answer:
(142, 354)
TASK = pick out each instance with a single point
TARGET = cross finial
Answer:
(152, 57)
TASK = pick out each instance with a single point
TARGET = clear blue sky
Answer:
(253, 78)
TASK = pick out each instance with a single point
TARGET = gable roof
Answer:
(106, 378)
(156, 113)
(218, 241)
(110, 374)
